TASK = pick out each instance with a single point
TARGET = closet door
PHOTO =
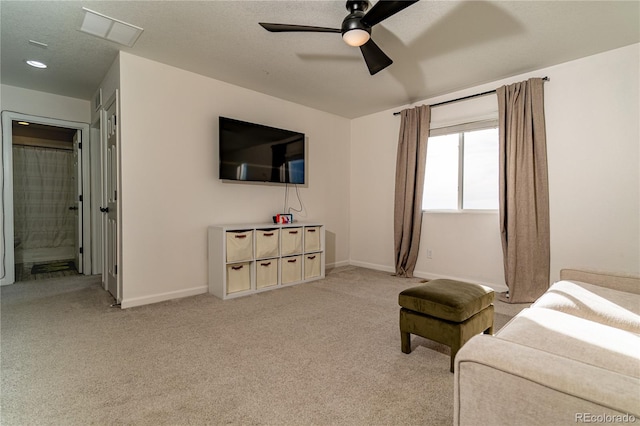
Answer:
(111, 182)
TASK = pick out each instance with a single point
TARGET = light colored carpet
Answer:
(321, 353)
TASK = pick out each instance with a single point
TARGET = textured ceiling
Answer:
(437, 46)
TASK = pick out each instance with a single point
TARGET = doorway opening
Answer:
(45, 228)
(45, 202)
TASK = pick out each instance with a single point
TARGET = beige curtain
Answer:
(43, 191)
(524, 190)
(410, 164)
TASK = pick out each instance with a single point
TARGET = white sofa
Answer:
(572, 357)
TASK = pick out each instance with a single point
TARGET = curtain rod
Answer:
(464, 98)
(36, 145)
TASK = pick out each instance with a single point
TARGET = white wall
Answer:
(171, 192)
(110, 82)
(591, 108)
(170, 188)
(32, 102)
(593, 129)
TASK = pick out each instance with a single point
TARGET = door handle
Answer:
(73, 208)
(104, 209)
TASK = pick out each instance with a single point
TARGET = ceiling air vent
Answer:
(110, 29)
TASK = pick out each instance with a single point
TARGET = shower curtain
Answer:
(43, 191)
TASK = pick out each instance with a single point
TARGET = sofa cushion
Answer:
(576, 338)
(600, 304)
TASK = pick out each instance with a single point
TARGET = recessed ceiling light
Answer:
(112, 29)
(36, 64)
(23, 123)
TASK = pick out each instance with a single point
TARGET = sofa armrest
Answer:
(507, 383)
(615, 281)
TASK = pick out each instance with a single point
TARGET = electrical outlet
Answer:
(429, 254)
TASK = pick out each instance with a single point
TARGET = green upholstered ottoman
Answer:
(446, 311)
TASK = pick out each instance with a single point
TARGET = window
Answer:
(462, 170)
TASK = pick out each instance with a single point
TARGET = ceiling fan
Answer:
(356, 29)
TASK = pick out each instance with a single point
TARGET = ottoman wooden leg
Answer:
(405, 342)
(455, 345)
(454, 351)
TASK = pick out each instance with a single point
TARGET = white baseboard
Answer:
(337, 264)
(374, 266)
(139, 301)
(498, 288)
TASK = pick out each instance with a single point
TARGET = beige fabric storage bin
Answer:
(266, 273)
(239, 245)
(238, 277)
(312, 263)
(267, 243)
(291, 268)
(291, 241)
(311, 238)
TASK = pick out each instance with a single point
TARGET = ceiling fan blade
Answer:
(280, 28)
(384, 9)
(374, 57)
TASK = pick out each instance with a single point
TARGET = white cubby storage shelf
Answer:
(251, 258)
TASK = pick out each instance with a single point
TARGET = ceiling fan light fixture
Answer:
(356, 37)
(356, 29)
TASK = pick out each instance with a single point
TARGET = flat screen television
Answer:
(257, 153)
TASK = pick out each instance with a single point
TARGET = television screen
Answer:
(257, 153)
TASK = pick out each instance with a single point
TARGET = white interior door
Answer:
(111, 180)
(77, 207)
(97, 198)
